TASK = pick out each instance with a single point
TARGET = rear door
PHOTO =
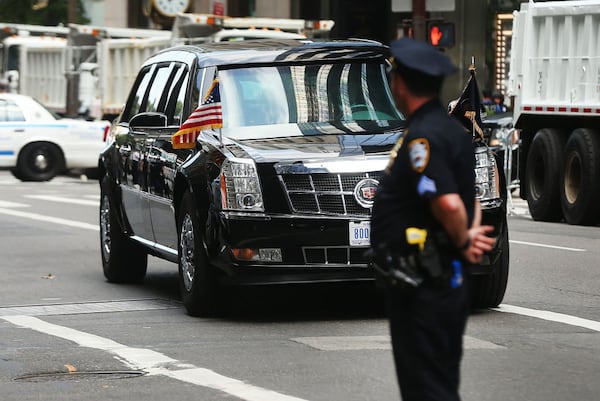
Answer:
(163, 159)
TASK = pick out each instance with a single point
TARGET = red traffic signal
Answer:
(440, 34)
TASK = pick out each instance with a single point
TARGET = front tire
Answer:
(198, 280)
(487, 291)
(123, 261)
(39, 161)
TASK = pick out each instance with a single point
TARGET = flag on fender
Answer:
(207, 115)
(467, 108)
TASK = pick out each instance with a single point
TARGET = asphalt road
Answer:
(67, 334)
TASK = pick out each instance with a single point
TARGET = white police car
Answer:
(37, 145)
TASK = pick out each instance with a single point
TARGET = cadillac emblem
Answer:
(364, 192)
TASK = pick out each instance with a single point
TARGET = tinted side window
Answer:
(135, 105)
(177, 93)
(9, 111)
(159, 83)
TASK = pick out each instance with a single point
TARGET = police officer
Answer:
(428, 186)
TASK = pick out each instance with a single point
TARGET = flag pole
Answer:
(472, 70)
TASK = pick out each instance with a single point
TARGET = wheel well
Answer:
(181, 185)
(532, 123)
(199, 193)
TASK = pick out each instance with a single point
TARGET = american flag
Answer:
(207, 115)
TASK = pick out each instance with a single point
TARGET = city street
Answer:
(67, 334)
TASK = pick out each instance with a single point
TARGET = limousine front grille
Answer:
(325, 193)
(334, 255)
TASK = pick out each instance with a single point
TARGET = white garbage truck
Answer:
(87, 70)
(32, 62)
(555, 80)
(103, 63)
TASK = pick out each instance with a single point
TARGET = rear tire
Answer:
(580, 189)
(487, 291)
(544, 166)
(201, 292)
(39, 161)
(123, 261)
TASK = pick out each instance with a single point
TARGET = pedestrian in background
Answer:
(498, 105)
(425, 222)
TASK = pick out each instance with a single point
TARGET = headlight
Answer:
(498, 136)
(240, 187)
(486, 175)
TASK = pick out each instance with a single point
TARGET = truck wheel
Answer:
(544, 166)
(487, 291)
(39, 161)
(198, 281)
(580, 192)
(123, 261)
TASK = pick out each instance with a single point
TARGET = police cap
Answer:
(421, 57)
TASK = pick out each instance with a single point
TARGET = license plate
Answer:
(360, 233)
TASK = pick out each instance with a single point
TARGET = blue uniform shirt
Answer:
(435, 157)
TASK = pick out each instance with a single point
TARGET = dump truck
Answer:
(555, 80)
(32, 62)
(103, 63)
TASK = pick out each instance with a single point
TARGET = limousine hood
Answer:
(306, 142)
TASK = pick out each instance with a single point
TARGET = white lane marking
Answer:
(154, 362)
(12, 204)
(64, 200)
(550, 316)
(548, 246)
(49, 219)
(88, 307)
(208, 378)
(356, 343)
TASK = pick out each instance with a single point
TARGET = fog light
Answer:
(244, 253)
(273, 255)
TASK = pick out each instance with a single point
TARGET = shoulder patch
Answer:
(418, 151)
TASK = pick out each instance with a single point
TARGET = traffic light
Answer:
(440, 34)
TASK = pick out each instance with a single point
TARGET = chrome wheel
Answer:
(105, 227)
(188, 267)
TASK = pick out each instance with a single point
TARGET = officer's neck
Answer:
(413, 103)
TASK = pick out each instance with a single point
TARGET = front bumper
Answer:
(313, 249)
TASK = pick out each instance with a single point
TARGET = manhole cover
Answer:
(92, 375)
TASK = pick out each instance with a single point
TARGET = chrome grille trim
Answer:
(308, 193)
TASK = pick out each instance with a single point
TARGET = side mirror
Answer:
(148, 120)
